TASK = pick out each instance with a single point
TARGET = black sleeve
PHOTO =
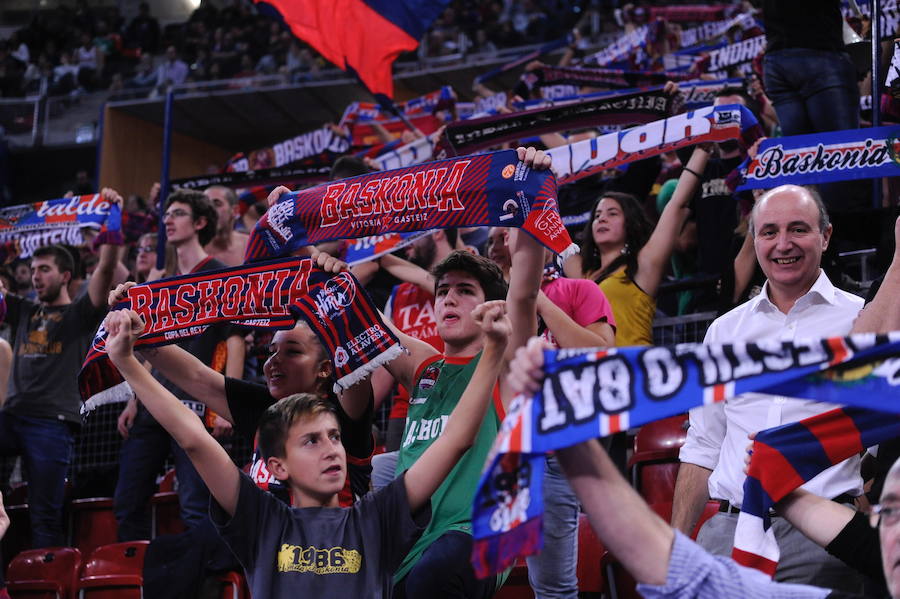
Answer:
(247, 402)
(255, 518)
(357, 434)
(400, 527)
(858, 546)
(14, 305)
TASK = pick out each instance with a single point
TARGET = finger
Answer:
(520, 151)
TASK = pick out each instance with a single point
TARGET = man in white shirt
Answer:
(791, 230)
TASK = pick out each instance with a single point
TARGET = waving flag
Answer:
(361, 36)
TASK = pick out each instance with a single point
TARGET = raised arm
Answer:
(101, 281)
(426, 475)
(209, 458)
(407, 271)
(639, 538)
(883, 313)
(653, 258)
(569, 333)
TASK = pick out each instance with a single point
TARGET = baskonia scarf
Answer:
(268, 295)
(588, 393)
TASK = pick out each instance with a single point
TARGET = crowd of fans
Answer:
(461, 301)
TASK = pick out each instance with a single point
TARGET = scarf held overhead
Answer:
(823, 158)
(786, 457)
(267, 295)
(27, 227)
(711, 124)
(463, 137)
(589, 393)
(493, 189)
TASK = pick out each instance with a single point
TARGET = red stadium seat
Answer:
(516, 586)
(50, 573)
(234, 586)
(592, 558)
(18, 536)
(165, 514)
(92, 523)
(655, 462)
(114, 572)
(167, 482)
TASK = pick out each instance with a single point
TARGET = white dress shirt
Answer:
(717, 438)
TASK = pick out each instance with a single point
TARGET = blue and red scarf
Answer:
(269, 295)
(294, 149)
(821, 158)
(493, 189)
(788, 456)
(27, 227)
(711, 124)
(588, 393)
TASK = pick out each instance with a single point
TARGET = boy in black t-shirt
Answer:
(318, 546)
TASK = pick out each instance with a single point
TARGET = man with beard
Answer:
(51, 336)
(411, 308)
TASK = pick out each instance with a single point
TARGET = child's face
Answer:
(314, 462)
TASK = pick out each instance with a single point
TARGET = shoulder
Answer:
(729, 322)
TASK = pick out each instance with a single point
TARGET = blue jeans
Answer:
(812, 90)
(142, 457)
(45, 446)
(552, 573)
(445, 571)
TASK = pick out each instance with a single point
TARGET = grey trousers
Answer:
(801, 561)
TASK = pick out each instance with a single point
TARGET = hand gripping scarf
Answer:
(822, 158)
(487, 190)
(711, 124)
(788, 456)
(589, 393)
(28, 227)
(266, 295)
(463, 137)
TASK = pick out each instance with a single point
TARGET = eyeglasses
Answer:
(887, 515)
(145, 249)
(177, 213)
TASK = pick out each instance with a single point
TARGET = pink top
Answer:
(581, 299)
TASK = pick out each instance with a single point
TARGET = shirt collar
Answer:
(822, 289)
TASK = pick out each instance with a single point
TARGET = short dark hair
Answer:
(200, 206)
(452, 236)
(230, 195)
(278, 418)
(61, 257)
(348, 166)
(485, 271)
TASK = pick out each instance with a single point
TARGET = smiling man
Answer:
(791, 230)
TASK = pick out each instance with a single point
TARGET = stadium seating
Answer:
(114, 572)
(50, 573)
(654, 464)
(234, 586)
(92, 523)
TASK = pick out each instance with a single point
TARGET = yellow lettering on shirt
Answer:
(337, 560)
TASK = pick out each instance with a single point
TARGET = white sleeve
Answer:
(707, 427)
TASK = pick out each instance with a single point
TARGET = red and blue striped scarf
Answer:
(269, 294)
(788, 456)
(493, 189)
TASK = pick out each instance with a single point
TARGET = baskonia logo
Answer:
(374, 195)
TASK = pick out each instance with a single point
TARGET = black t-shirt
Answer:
(247, 401)
(858, 546)
(48, 349)
(814, 24)
(321, 552)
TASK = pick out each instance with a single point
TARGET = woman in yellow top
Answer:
(627, 256)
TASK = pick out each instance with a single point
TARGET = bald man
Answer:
(790, 230)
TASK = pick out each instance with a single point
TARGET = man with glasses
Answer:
(190, 223)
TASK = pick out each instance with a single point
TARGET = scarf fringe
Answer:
(116, 394)
(347, 381)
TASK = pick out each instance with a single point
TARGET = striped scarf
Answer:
(786, 457)
(589, 393)
(269, 294)
(493, 189)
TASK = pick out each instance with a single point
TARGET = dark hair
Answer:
(488, 274)
(61, 257)
(278, 418)
(200, 207)
(749, 101)
(637, 231)
(348, 166)
(452, 236)
(230, 195)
